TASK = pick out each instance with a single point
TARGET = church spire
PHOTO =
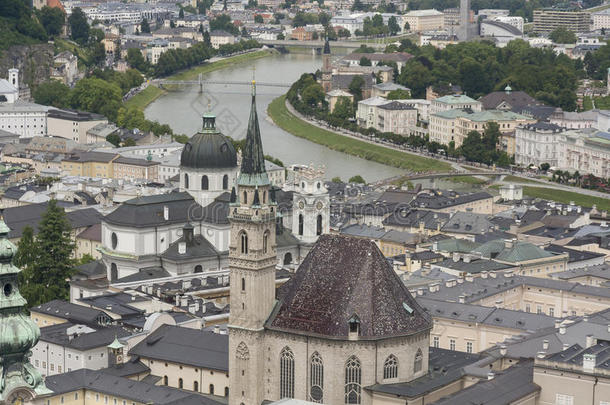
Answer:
(252, 171)
(20, 382)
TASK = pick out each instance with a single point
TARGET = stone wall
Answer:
(33, 61)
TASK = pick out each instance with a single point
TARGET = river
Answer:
(182, 110)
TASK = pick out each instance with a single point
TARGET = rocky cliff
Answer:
(33, 62)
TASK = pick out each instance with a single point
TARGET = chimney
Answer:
(462, 299)
(469, 277)
(492, 274)
(456, 257)
(216, 329)
(166, 212)
(566, 346)
(557, 323)
(588, 362)
(498, 303)
(545, 344)
(483, 274)
(466, 258)
(585, 318)
(590, 341)
(420, 291)
(540, 355)
(187, 233)
(503, 350)
(181, 248)
(490, 375)
(562, 330)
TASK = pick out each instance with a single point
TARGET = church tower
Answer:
(252, 259)
(311, 205)
(327, 70)
(20, 382)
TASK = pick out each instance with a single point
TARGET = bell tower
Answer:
(252, 259)
(327, 69)
(20, 382)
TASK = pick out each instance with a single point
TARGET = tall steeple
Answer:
(20, 382)
(253, 160)
(327, 69)
(252, 260)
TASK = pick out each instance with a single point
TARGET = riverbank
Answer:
(289, 122)
(151, 93)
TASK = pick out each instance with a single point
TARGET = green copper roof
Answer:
(455, 99)
(115, 344)
(455, 245)
(253, 171)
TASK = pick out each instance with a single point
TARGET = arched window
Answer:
(242, 352)
(264, 197)
(390, 367)
(244, 242)
(225, 182)
(319, 225)
(180, 383)
(196, 386)
(243, 284)
(186, 180)
(419, 358)
(114, 272)
(301, 224)
(353, 379)
(226, 391)
(198, 269)
(316, 383)
(245, 198)
(114, 240)
(164, 380)
(288, 258)
(286, 373)
(211, 389)
(265, 241)
(205, 183)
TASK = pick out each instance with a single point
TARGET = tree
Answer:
(344, 108)
(129, 142)
(26, 253)
(545, 167)
(136, 60)
(46, 277)
(562, 35)
(472, 147)
(393, 26)
(206, 39)
(52, 19)
(258, 19)
(280, 37)
(364, 61)
(53, 93)
(336, 179)
(181, 13)
(97, 54)
(79, 28)
(357, 179)
(145, 27)
(355, 88)
(358, 6)
(313, 95)
(98, 96)
(407, 27)
(114, 139)
(399, 94)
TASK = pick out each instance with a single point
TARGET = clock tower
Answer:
(310, 205)
(252, 260)
(20, 382)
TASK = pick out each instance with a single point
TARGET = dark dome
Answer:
(208, 149)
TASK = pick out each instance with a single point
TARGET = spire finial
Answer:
(253, 81)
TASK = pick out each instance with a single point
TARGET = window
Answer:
(468, 347)
(286, 373)
(527, 307)
(265, 241)
(205, 183)
(198, 269)
(243, 284)
(225, 182)
(390, 367)
(186, 180)
(245, 198)
(539, 309)
(451, 344)
(244, 242)
(316, 383)
(563, 399)
(196, 386)
(551, 311)
(180, 383)
(114, 240)
(164, 380)
(211, 389)
(226, 391)
(114, 274)
(319, 225)
(59, 369)
(419, 359)
(97, 397)
(301, 224)
(76, 395)
(353, 376)
(52, 367)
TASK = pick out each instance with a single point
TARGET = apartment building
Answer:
(89, 164)
(72, 124)
(135, 169)
(538, 143)
(453, 102)
(425, 20)
(547, 19)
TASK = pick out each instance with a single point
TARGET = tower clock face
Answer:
(301, 204)
(19, 397)
(319, 205)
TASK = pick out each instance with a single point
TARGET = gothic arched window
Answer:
(205, 183)
(242, 351)
(390, 367)
(286, 373)
(225, 182)
(419, 358)
(353, 379)
(244, 242)
(301, 224)
(319, 225)
(316, 383)
(265, 241)
(186, 180)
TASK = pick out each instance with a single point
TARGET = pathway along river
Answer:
(182, 110)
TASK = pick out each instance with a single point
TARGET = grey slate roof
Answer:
(142, 212)
(186, 346)
(473, 266)
(599, 271)
(516, 99)
(200, 247)
(438, 200)
(574, 355)
(138, 391)
(505, 388)
(574, 256)
(71, 312)
(341, 278)
(343, 81)
(91, 269)
(99, 338)
(131, 368)
(414, 217)
(118, 303)
(143, 274)
(217, 212)
(468, 223)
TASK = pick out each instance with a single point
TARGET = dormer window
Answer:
(354, 327)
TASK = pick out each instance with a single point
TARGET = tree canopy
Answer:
(561, 35)
(52, 19)
(52, 92)
(79, 28)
